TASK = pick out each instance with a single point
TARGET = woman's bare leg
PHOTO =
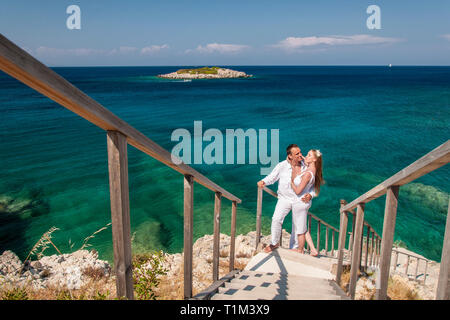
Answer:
(310, 242)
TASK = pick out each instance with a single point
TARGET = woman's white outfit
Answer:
(300, 208)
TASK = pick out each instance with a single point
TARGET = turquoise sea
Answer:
(369, 123)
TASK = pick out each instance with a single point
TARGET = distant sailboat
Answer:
(390, 65)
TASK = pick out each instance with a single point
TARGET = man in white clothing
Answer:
(286, 195)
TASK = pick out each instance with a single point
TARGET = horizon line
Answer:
(249, 65)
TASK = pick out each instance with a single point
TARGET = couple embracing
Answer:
(299, 180)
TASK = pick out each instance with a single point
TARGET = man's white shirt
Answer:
(283, 174)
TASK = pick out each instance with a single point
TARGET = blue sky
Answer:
(216, 32)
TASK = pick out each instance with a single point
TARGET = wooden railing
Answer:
(430, 162)
(418, 259)
(355, 253)
(311, 216)
(22, 66)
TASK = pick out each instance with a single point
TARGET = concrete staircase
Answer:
(280, 275)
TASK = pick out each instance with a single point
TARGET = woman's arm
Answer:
(298, 189)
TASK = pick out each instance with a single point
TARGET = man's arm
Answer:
(271, 178)
(308, 197)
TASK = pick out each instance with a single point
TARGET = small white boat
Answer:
(390, 65)
(187, 80)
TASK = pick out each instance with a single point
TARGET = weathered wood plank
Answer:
(216, 244)
(120, 212)
(390, 214)
(258, 216)
(233, 235)
(436, 158)
(188, 233)
(356, 255)
(341, 243)
(443, 288)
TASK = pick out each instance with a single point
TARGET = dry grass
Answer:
(99, 289)
(173, 288)
(398, 289)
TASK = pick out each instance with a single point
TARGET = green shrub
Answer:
(147, 269)
(15, 294)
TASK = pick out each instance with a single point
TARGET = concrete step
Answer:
(281, 283)
(286, 261)
(262, 295)
(275, 289)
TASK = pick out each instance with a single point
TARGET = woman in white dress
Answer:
(303, 183)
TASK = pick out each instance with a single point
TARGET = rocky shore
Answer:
(205, 73)
(77, 270)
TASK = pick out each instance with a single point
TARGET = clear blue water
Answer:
(369, 122)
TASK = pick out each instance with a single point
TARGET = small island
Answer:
(205, 73)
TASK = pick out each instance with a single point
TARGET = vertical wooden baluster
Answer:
(361, 247)
(188, 233)
(390, 214)
(372, 247)
(326, 240)
(332, 244)
(407, 265)
(318, 235)
(367, 249)
(417, 269)
(356, 249)
(120, 212)
(341, 244)
(395, 259)
(258, 216)
(309, 229)
(216, 245)
(425, 273)
(233, 235)
(442, 291)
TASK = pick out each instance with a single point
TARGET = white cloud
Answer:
(219, 48)
(295, 43)
(153, 49)
(46, 51)
(123, 50)
(446, 36)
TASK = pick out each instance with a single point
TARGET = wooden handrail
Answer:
(25, 68)
(435, 159)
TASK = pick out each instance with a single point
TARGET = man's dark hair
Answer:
(288, 149)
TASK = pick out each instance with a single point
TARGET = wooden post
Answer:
(417, 269)
(361, 247)
(326, 240)
(120, 212)
(332, 244)
(318, 235)
(372, 248)
(359, 225)
(395, 259)
(443, 288)
(309, 229)
(258, 216)
(390, 214)
(407, 265)
(341, 244)
(216, 244)
(367, 249)
(425, 273)
(188, 233)
(280, 243)
(233, 234)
